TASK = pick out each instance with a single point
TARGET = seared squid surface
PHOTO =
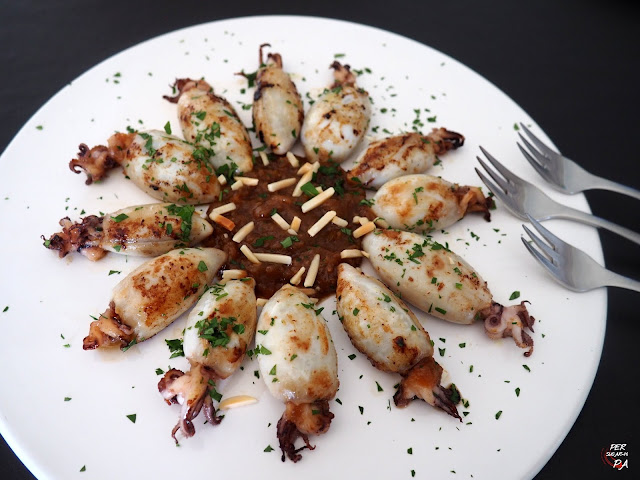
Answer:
(218, 331)
(299, 365)
(166, 167)
(424, 203)
(153, 295)
(382, 327)
(392, 157)
(211, 122)
(337, 121)
(277, 108)
(439, 282)
(141, 230)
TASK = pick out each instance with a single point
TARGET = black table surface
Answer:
(572, 65)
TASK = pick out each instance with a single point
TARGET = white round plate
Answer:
(49, 301)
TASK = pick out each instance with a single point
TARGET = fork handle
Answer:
(577, 215)
(620, 281)
(599, 183)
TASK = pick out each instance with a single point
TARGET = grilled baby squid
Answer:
(299, 365)
(337, 121)
(277, 107)
(210, 122)
(405, 154)
(154, 295)
(142, 230)
(382, 327)
(424, 203)
(166, 167)
(441, 283)
(218, 331)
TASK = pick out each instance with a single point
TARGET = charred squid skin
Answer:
(299, 421)
(423, 381)
(511, 321)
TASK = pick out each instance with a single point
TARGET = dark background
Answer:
(572, 65)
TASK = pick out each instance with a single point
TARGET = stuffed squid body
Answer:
(382, 327)
(299, 365)
(336, 122)
(142, 230)
(153, 295)
(209, 120)
(277, 107)
(219, 329)
(439, 282)
(424, 203)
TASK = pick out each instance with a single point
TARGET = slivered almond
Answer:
(264, 158)
(282, 223)
(321, 223)
(251, 182)
(293, 160)
(381, 222)
(310, 279)
(319, 189)
(273, 258)
(317, 200)
(295, 224)
(295, 280)
(237, 185)
(243, 232)
(308, 291)
(305, 168)
(234, 274)
(237, 401)
(350, 253)
(341, 222)
(360, 220)
(249, 254)
(226, 208)
(223, 221)
(304, 179)
(222, 179)
(364, 229)
(260, 302)
(280, 184)
(364, 254)
(291, 231)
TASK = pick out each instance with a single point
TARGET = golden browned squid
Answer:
(219, 329)
(424, 203)
(439, 282)
(299, 365)
(154, 295)
(210, 122)
(338, 119)
(383, 328)
(392, 157)
(141, 230)
(277, 107)
(166, 167)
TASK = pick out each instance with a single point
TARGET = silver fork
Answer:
(564, 174)
(522, 198)
(570, 266)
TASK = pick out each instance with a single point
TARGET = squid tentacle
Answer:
(300, 421)
(423, 381)
(107, 331)
(182, 85)
(513, 321)
(83, 237)
(444, 140)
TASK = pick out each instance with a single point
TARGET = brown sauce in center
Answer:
(257, 204)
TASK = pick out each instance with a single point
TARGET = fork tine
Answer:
(499, 193)
(550, 251)
(506, 173)
(542, 260)
(535, 163)
(499, 180)
(546, 234)
(539, 143)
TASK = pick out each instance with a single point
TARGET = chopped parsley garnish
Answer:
(186, 214)
(415, 192)
(175, 347)
(202, 267)
(352, 356)
(309, 189)
(514, 295)
(167, 128)
(498, 414)
(132, 417)
(159, 371)
(111, 272)
(215, 330)
(260, 241)
(287, 242)
(120, 218)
